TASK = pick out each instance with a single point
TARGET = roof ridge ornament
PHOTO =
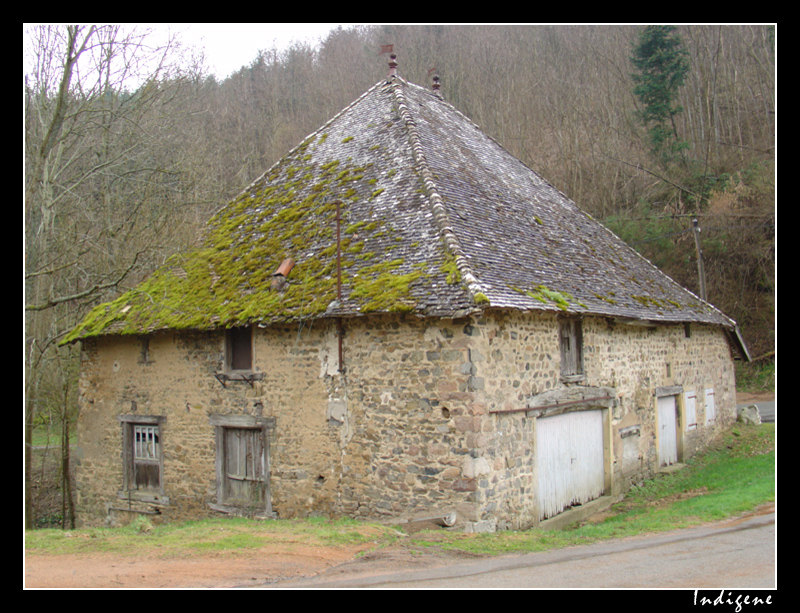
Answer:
(435, 72)
(392, 59)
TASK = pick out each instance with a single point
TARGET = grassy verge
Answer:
(734, 477)
(223, 535)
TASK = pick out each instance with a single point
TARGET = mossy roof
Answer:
(434, 217)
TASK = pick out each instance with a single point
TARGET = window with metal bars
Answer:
(145, 443)
(146, 458)
(142, 456)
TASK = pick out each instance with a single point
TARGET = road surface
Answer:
(736, 554)
(766, 409)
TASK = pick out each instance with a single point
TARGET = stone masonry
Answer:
(425, 416)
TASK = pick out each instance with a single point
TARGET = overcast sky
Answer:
(229, 46)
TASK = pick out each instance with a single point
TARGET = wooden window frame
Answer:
(132, 459)
(144, 350)
(239, 353)
(570, 340)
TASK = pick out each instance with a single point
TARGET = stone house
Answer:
(399, 319)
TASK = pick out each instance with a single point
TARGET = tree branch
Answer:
(95, 288)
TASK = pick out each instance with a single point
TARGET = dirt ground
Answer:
(746, 397)
(250, 568)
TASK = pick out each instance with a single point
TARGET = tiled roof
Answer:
(434, 217)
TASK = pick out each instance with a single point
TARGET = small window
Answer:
(146, 443)
(144, 350)
(239, 349)
(571, 340)
(142, 456)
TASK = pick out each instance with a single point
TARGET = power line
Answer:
(670, 234)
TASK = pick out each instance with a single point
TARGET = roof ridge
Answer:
(440, 216)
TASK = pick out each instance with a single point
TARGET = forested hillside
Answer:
(129, 148)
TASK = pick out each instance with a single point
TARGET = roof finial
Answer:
(436, 86)
(433, 71)
(392, 58)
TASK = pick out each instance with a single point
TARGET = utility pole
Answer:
(701, 272)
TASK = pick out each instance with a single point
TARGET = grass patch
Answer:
(50, 435)
(227, 535)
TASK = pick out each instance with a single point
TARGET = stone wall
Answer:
(517, 364)
(420, 422)
(381, 441)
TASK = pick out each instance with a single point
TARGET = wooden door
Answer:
(667, 431)
(570, 460)
(245, 466)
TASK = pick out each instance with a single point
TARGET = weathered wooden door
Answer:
(245, 466)
(667, 431)
(570, 460)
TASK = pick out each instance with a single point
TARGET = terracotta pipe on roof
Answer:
(392, 64)
(279, 276)
(285, 268)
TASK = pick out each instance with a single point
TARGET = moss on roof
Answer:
(291, 212)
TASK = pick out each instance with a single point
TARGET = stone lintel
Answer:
(573, 398)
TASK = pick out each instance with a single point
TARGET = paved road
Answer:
(737, 554)
(765, 409)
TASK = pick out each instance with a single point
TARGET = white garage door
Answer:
(569, 456)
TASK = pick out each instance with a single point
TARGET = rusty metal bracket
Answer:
(221, 377)
(251, 378)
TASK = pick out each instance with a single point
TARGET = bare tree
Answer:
(101, 180)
